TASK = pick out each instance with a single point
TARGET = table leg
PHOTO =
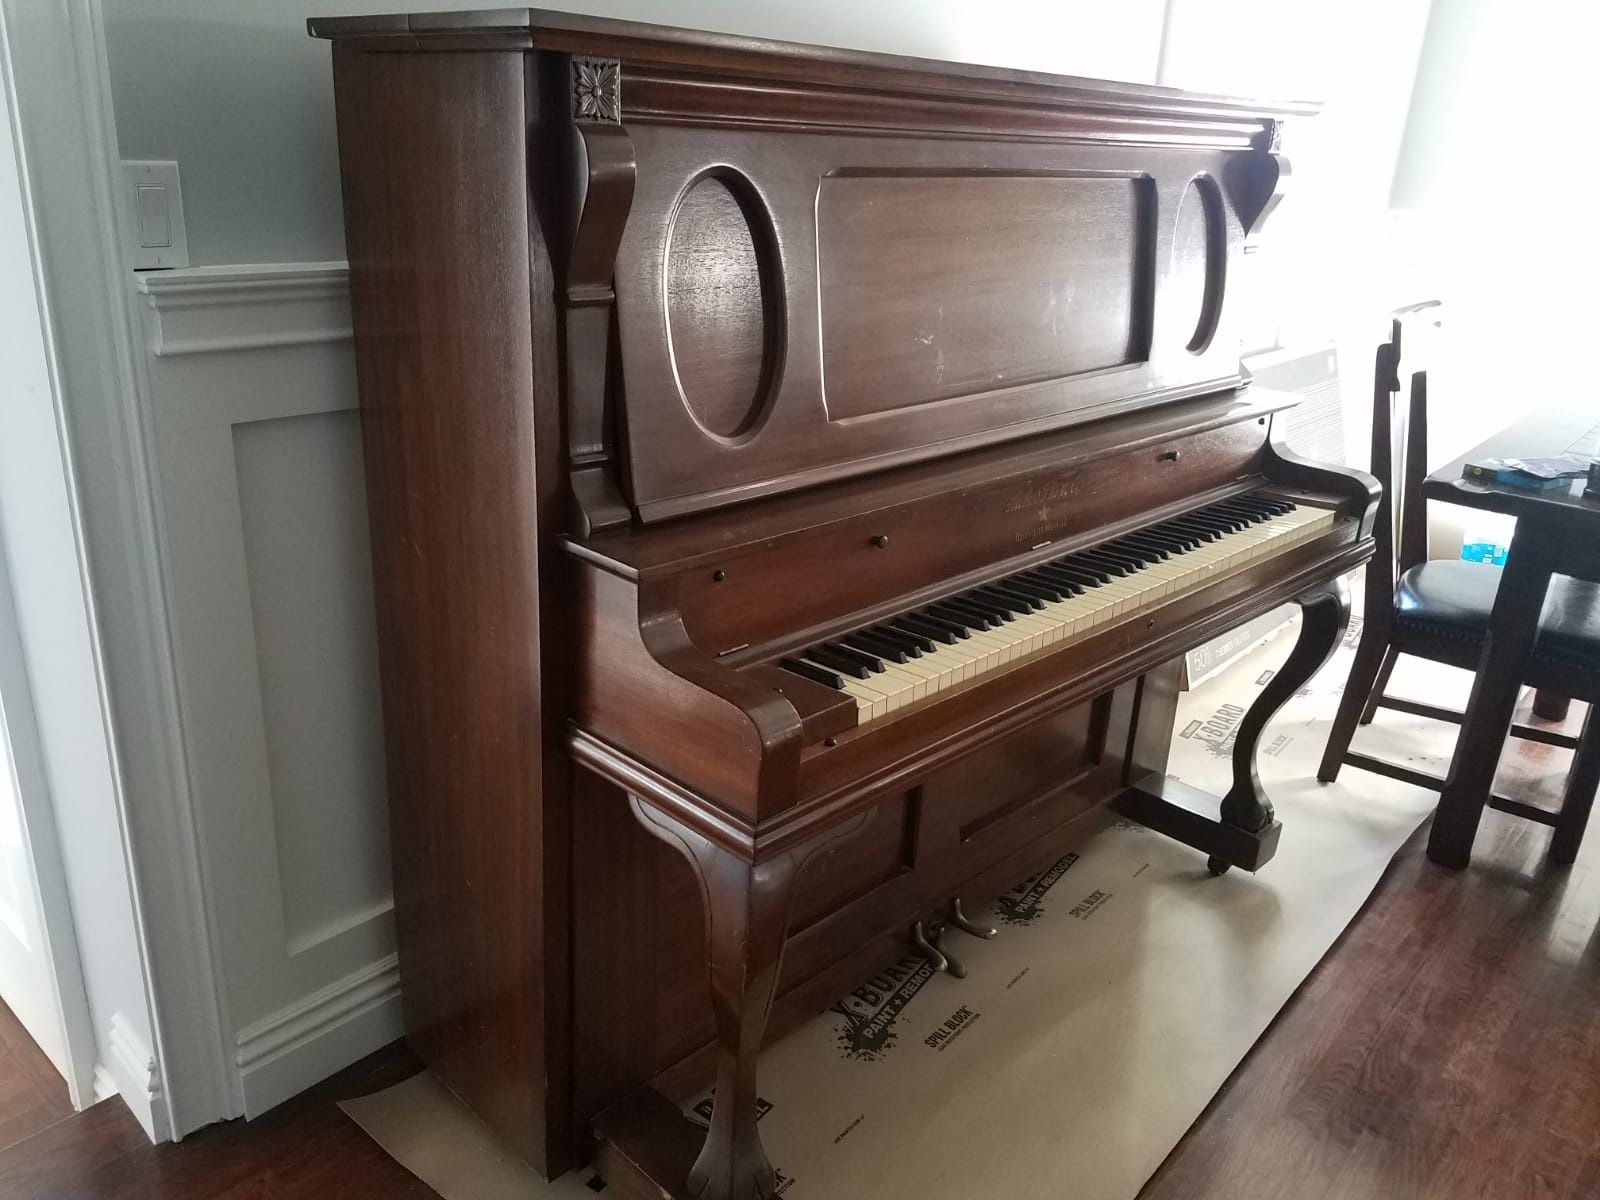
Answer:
(1512, 630)
(1551, 706)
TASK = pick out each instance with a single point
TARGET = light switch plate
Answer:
(156, 201)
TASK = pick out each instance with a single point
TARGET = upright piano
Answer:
(794, 477)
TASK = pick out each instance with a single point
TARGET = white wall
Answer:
(239, 94)
(1494, 188)
(1496, 179)
(56, 628)
(246, 401)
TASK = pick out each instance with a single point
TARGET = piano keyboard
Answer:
(918, 654)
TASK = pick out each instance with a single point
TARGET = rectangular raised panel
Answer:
(854, 867)
(304, 520)
(945, 285)
(982, 791)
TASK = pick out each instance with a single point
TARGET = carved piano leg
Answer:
(1325, 613)
(747, 920)
(1246, 835)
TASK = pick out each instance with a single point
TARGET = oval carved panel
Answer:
(723, 297)
(1199, 263)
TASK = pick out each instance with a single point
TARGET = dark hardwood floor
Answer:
(32, 1095)
(1448, 1047)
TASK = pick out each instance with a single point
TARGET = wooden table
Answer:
(1558, 533)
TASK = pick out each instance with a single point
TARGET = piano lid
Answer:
(643, 42)
(789, 265)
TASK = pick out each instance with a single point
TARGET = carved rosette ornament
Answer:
(597, 90)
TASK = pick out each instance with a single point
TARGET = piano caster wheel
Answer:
(921, 944)
(961, 921)
(956, 967)
(1217, 866)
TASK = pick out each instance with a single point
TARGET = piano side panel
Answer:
(799, 308)
(975, 828)
(460, 436)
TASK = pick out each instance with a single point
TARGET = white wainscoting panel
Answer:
(252, 387)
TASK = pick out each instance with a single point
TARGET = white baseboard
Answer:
(129, 1071)
(309, 1040)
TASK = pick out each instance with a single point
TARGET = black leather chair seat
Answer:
(1454, 600)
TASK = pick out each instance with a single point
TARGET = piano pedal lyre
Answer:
(967, 925)
(929, 951)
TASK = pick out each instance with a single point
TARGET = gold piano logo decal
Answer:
(1043, 501)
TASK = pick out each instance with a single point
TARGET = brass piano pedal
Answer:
(957, 968)
(967, 925)
(921, 944)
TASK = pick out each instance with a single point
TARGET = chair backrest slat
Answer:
(1400, 461)
(1413, 508)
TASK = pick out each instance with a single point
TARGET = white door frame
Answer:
(60, 943)
(61, 83)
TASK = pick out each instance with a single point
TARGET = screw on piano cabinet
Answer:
(718, 576)
(881, 541)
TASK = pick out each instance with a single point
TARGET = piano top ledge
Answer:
(643, 42)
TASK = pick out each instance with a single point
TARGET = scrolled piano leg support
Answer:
(748, 906)
(1245, 834)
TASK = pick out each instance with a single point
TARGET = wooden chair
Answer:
(1440, 611)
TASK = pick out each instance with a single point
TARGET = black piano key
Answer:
(1059, 589)
(1139, 558)
(977, 604)
(1033, 587)
(955, 627)
(1076, 576)
(842, 663)
(1271, 504)
(1170, 540)
(1212, 525)
(1004, 587)
(1170, 530)
(1230, 522)
(1102, 572)
(993, 599)
(1112, 566)
(812, 672)
(1075, 568)
(970, 618)
(1103, 554)
(1249, 512)
(880, 646)
(1146, 544)
(913, 641)
(869, 661)
(1204, 532)
(925, 626)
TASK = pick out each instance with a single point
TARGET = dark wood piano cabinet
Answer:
(682, 356)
